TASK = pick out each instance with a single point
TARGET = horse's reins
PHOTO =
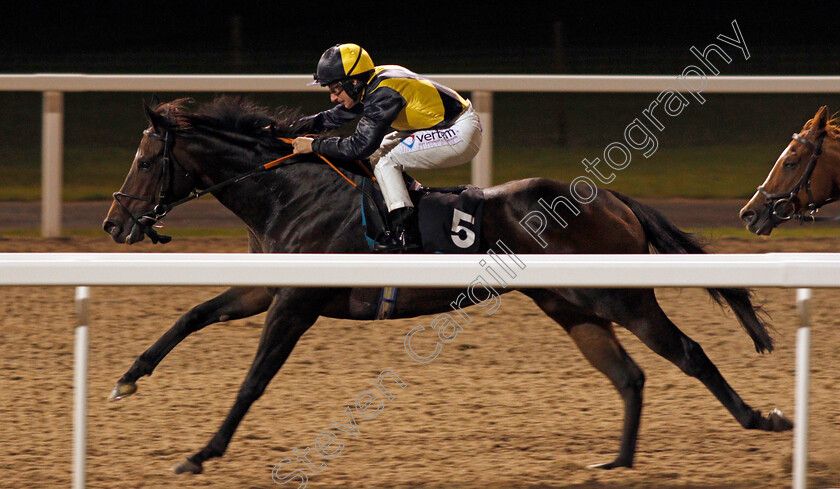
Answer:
(782, 201)
(149, 219)
(351, 182)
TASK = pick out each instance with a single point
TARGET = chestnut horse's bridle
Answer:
(781, 204)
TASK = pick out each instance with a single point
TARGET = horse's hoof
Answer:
(778, 421)
(611, 465)
(122, 390)
(187, 467)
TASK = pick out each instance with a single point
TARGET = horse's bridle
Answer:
(163, 187)
(165, 182)
(781, 204)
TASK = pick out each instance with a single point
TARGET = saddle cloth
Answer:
(449, 218)
(450, 222)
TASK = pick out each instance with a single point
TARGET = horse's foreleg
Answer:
(283, 328)
(662, 336)
(596, 339)
(234, 303)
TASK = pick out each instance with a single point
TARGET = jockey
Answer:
(407, 122)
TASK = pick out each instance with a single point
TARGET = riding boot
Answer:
(407, 228)
(403, 235)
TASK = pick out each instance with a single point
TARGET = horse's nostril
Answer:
(110, 227)
(748, 216)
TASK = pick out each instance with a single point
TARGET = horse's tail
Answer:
(664, 237)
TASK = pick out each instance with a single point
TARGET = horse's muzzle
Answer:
(749, 216)
(118, 232)
(111, 227)
(758, 222)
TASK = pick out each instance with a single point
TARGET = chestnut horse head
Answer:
(804, 178)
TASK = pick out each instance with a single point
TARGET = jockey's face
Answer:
(338, 95)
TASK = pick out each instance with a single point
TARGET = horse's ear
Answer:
(148, 111)
(151, 115)
(821, 118)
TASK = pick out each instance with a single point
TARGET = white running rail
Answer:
(481, 87)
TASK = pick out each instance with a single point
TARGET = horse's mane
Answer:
(832, 128)
(233, 115)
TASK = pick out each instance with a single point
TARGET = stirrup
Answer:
(388, 245)
(393, 244)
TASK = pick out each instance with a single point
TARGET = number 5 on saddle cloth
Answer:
(449, 218)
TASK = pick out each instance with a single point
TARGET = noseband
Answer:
(163, 186)
(781, 204)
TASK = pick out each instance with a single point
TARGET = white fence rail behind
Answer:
(481, 86)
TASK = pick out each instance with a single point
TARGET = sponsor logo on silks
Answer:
(407, 139)
(429, 139)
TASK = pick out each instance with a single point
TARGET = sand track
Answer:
(510, 403)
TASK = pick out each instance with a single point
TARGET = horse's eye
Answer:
(791, 163)
(144, 165)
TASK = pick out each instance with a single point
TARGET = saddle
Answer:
(448, 218)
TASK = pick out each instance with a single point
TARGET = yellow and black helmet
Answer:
(342, 62)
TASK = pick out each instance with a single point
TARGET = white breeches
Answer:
(423, 150)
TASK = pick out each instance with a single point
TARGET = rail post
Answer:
(80, 388)
(52, 147)
(803, 347)
(482, 164)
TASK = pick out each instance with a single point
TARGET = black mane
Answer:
(235, 115)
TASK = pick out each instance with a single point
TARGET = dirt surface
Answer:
(510, 403)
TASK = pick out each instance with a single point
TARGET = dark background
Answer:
(494, 37)
(553, 130)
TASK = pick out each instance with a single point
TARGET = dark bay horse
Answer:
(302, 206)
(806, 176)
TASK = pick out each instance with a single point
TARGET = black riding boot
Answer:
(404, 235)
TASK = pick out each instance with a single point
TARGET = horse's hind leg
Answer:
(234, 303)
(596, 340)
(646, 320)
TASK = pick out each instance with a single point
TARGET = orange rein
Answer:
(272, 164)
